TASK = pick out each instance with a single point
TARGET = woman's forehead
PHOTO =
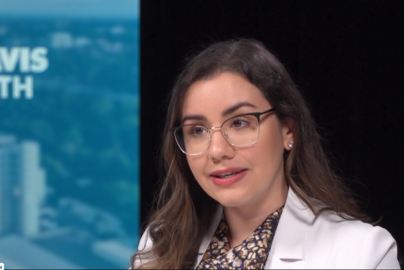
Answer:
(221, 92)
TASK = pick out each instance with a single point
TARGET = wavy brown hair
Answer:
(183, 210)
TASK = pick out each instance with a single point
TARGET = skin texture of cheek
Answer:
(265, 176)
(264, 164)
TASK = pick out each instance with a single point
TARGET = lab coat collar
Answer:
(288, 243)
(287, 246)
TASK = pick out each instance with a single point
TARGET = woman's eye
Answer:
(197, 131)
(239, 123)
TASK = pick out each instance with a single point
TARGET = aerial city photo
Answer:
(69, 133)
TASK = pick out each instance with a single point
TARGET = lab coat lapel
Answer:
(287, 246)
(209, 234)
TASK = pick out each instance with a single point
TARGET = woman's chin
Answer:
(232, 201)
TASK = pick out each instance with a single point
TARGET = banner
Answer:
(69, 133)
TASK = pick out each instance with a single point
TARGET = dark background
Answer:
(346, 56)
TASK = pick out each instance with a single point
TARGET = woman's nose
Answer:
(219, 147)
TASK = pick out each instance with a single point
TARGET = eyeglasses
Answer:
(240, 131)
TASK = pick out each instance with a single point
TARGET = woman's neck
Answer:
(242, 221)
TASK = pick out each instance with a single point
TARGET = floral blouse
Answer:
(252, 253)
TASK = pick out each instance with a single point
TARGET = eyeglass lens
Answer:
(238, 131)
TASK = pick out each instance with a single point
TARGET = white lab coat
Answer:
(328, 241)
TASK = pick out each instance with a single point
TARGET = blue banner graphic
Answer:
(69, 133)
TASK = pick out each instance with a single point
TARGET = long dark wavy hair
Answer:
(183, 210)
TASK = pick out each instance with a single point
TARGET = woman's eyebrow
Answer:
(236, 107)
(193, 117)
(224, 113)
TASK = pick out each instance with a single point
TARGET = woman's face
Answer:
(258, 169)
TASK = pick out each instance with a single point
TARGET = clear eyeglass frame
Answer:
(174, 130)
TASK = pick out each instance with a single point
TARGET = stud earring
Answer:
(290, 144)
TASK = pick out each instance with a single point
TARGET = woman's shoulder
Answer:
(143, 256)
(343, 225)
(336, 238)
(327, 239)
(329, 221)
(328, 224)
(145, 242)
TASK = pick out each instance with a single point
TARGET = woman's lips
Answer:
(237, 175)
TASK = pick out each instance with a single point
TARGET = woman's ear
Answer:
(288, 132)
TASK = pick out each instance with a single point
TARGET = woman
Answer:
(247, 183)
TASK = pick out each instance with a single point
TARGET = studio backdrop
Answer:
(69, 133)
(346, 58)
